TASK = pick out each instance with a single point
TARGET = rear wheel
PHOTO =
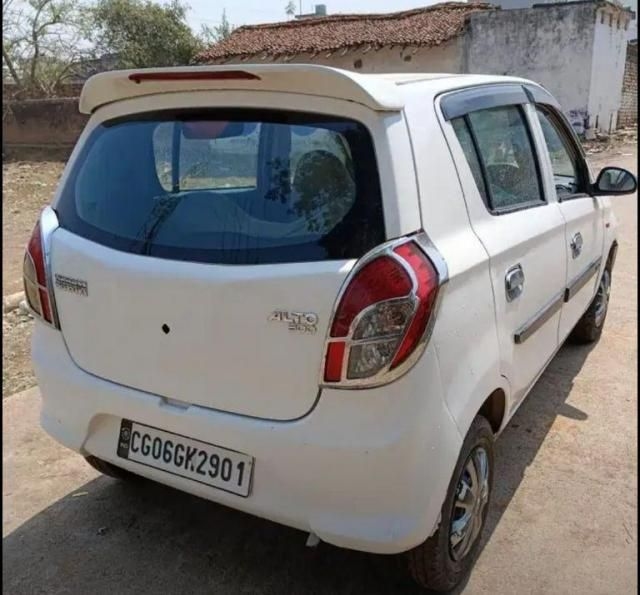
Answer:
(109, 469)
(589, 327)
(442, 561)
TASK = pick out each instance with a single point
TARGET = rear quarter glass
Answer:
(241, 186)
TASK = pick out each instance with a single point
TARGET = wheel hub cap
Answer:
(472, 495)
(602, 298)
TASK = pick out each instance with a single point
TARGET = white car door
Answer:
(520, 226)
(583, 214)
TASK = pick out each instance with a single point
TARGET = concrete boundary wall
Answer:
(42, 122)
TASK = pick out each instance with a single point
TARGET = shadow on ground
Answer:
(145, 538)
(520, 442)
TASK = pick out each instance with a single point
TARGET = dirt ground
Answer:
(27, 186)
(563, 517)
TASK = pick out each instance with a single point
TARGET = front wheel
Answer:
(589, 327)
(442, 561)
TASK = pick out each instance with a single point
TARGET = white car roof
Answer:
(381, 92)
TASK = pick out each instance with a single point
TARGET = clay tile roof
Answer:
(427, 26)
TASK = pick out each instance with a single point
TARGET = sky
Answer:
(249, 12)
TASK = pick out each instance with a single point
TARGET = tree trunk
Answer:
(9, 63)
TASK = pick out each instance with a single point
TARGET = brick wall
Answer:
(42, 122)
(628, 115)
(10, 92)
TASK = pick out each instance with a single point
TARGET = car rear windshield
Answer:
(227, 186)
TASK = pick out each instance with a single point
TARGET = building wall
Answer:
(42, 123)
(11, 92)
(629, 109)
(632, 30)
(551, 45)
(444, 58)
(607, 68)
(563, 46)
(509, 4)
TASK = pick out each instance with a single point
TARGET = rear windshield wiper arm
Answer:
(161, 211)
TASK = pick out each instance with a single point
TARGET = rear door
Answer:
(213, 244)
(520, 227)
(583, 214)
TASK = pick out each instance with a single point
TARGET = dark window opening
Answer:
(569, 175)
(234, 186)
(499, 149)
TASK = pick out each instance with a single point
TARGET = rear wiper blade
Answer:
(163, 208)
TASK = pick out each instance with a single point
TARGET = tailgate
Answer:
(191, 228)
(197, 334)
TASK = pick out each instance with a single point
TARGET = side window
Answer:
(506, 150)
(566, 173)
(466, 142)
(500, 153)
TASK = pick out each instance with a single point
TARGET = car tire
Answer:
(438, 564)
(589, 327)
(109, 469)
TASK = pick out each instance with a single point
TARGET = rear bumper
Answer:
(365, 470)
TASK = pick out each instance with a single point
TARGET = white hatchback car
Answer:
(316, 296)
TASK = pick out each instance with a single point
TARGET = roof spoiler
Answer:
(323, 81)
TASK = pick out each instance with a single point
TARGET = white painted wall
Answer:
(564, 47)
(551, 45)
(508, 4)
(632, 30)
(607, 69)
(444, 58)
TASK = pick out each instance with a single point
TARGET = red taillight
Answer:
(196, 75)
(381, 317)
(35, 277)
(335, 355)
(381, 279)
(426, 292)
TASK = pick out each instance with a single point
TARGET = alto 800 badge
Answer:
(301, 322)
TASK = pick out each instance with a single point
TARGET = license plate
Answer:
(192, 459)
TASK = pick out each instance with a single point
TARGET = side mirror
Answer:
(615, 180)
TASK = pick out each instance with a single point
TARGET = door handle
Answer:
(576, 245)
(514, 282)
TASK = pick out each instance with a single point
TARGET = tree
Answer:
(224, 29)
(290, 9)
(144, 33)
(42, 41)
(215, 34)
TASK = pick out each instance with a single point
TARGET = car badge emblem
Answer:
(77, 286)
(301, 322)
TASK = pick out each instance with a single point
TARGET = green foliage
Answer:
(211, 35)
(42, 41)
(143, 33)
(46, 42)
(290, 9)
(224, 29)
